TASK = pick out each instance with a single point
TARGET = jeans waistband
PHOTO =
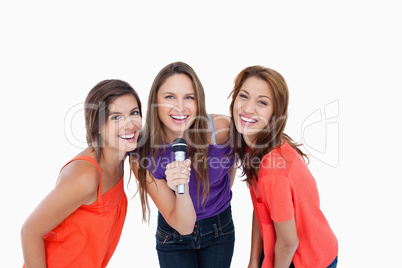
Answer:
(202, 227)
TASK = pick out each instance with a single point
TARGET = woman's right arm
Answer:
(286, 243)
(177, 209)
(256, 244)
(77, 184)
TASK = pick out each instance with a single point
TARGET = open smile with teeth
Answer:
(127, 136)
(179, 117)
(248, 120)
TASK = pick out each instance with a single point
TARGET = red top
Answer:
(88, 236)
(286, 189)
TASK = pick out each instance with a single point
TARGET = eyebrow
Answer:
(260, 96)
(132, 110)
(171, 93)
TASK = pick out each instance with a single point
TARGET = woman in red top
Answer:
(79, 222)
(287, 221)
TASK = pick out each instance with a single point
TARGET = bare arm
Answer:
(177, 209)
(256, 244)
(286, 244)
(77, 184)
(222, 126)
(232, 174)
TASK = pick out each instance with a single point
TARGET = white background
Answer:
(345, 55)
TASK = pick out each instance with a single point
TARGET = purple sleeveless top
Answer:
(219, 164)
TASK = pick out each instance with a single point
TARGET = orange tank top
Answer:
(89, 236)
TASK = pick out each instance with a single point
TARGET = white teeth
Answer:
(248, 120)
(179, 117)
(127, 136)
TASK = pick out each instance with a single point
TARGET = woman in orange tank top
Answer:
(79, 222)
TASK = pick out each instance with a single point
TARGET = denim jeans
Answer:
(332, 265)
(210, 245)
(262, 257)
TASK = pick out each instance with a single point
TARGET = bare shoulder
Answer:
(81, 175)
(221, 125)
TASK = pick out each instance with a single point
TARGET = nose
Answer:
(248, 107)
(130, 124)
(179, 105)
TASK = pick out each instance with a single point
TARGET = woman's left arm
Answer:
(286, 244)
(232, 174)
(256, 244)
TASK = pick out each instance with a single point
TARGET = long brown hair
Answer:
(273, 134)
(151, 134)
(96, 109)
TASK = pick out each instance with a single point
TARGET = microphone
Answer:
(179, 147)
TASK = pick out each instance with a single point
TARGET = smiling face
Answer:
(177, 106)
(122, 125)
(253, 108)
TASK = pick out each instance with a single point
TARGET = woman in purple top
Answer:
(195, 229)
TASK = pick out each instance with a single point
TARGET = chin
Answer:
(131, 148)
(179, 131)
(125, 148)
(239, 129)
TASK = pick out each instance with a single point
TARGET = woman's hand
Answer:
(178, 173)
(177, 209)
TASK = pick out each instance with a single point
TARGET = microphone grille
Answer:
(179, 145)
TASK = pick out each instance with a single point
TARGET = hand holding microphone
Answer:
(178, 174)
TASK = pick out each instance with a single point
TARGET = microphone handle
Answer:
(180, 188)
(180, 156)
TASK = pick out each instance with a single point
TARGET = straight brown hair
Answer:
(152, 134)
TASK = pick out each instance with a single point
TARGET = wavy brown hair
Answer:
(151, 137)
(96, 109)
(273, 134)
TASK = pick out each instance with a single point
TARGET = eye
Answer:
(135, 113)
(115, 117)
(169, 97)
(263, 103)
(243, 96)
(190, 98)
